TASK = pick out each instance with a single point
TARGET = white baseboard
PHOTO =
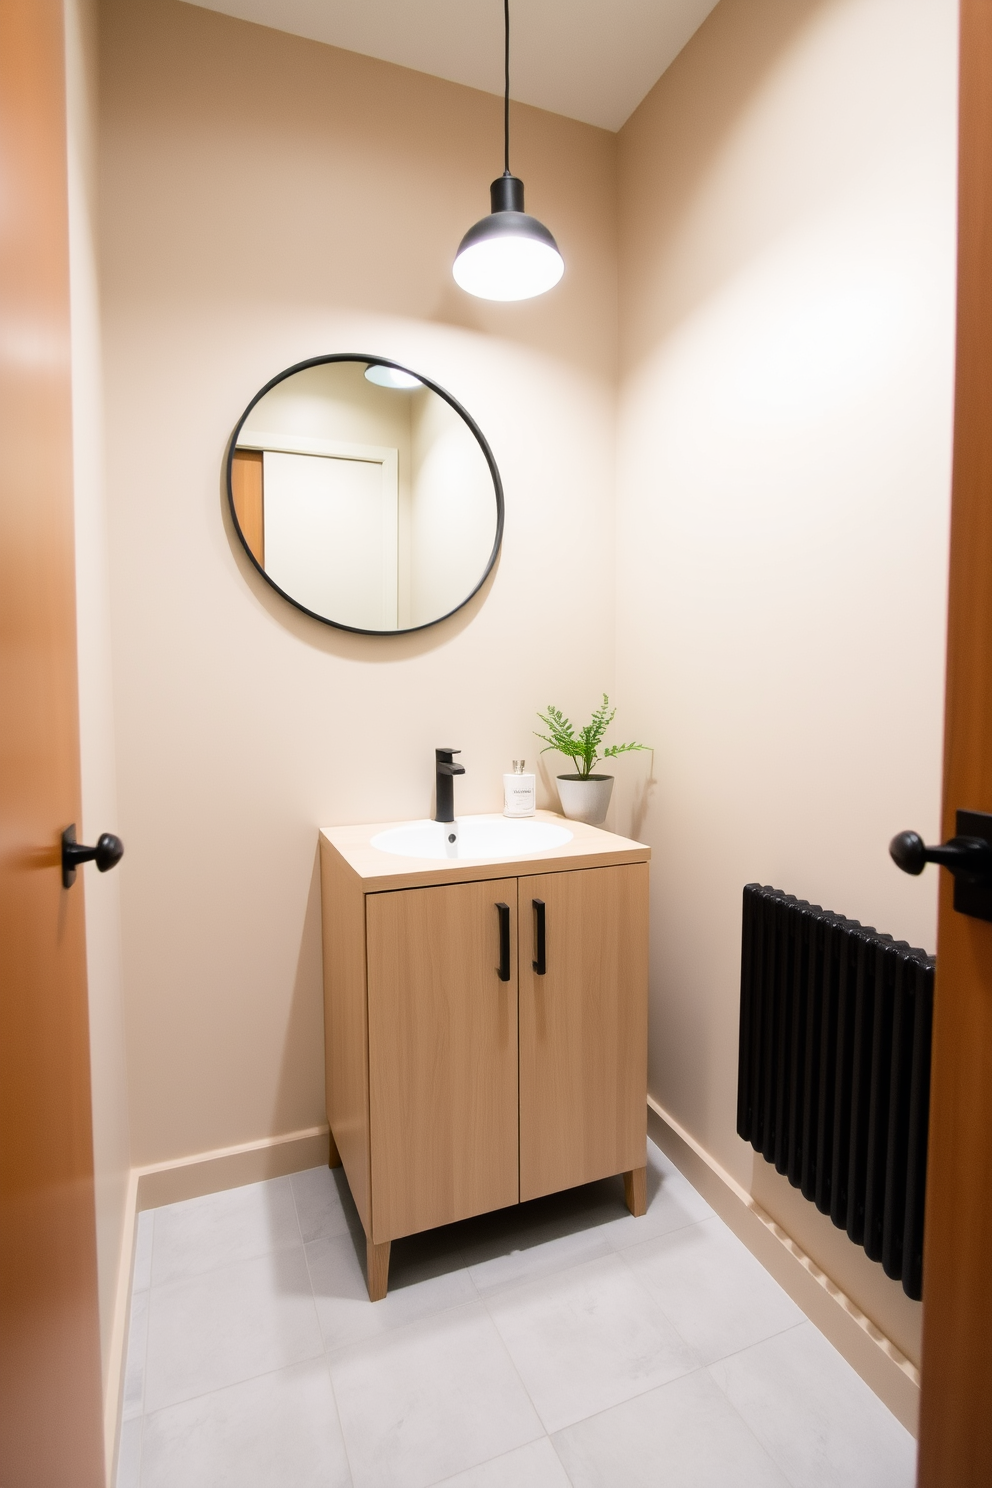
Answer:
(230, 1167)
(190, 1178)
(113, 1400)
(880, 1364)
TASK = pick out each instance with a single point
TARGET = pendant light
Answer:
(508, 255)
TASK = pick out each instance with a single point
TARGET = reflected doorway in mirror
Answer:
(365, 494)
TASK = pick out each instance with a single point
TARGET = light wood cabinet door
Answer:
(583, 1027)
(442, 1055)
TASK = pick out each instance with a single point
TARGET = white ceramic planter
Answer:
(585, 800)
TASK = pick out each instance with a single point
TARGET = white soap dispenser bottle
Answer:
(519, 792)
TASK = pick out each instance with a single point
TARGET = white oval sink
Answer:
(471, 837)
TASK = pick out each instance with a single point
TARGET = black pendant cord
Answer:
(506, 87)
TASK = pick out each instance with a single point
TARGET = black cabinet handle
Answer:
(541, 964)
(503, 969)
(108, 852)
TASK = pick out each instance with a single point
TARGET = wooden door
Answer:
(50, 1390)
(583, 1027)
(248, 495)
(442, 1055)
(956, 1399)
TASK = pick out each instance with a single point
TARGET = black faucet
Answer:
(444, 794)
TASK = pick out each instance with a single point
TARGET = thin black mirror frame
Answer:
(369, 361)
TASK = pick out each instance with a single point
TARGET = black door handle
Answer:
(968, 855)
(107, 854)
(541, 964)
(503, 969)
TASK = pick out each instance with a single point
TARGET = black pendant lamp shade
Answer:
(508, 255)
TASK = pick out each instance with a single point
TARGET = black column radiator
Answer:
(834, 1069)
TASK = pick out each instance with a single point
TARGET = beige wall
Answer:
(787, 272)
(111, 1152)
(766, 602)
(265, 199)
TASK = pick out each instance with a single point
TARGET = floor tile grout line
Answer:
(670, 1320)
(148, 1327)
(241, 1260)
(440, 1482)
(564, 1469)
(522, 1283)
(296, 1209)
(198, 1276)
(679, 1378)
(232, 1385)
(525, 1281)
(775, 1333)
(765, 1446)
(513, 1366)
(399, 1328)
(593, 1415)
(660, 1234)
(151, 1247)
(271, 1249)
(637, 1393)
(141, 1447)
(591, 1261)
(337, 1412)
(136, 1481)
(486, 1461)
(628, 1400)
(756, 1343)
(429, 1317)
(327, 1352)
(414, 1322)
(690, 1224)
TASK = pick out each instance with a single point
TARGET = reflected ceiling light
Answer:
(508, 255)
(391, 377)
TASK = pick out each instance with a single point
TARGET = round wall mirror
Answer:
(365, 494)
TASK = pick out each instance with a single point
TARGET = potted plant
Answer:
(584, 796)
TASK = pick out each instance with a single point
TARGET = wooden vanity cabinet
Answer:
(466, 1072)
(442, 1055)
(583, 1027)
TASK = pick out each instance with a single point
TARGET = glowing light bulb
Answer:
(508, 266)
(391, 377)
(508, 255)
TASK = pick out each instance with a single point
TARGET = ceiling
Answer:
(592, 60)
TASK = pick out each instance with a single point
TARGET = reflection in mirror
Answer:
(366, 496)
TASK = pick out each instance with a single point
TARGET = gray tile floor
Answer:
(560, 1343)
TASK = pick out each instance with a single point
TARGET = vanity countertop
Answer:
(590, 847)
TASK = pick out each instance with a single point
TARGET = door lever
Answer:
(968, 855)
(107, 854)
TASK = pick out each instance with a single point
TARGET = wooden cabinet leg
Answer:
(377, 1268)
(333, 1155)
(635, 1190)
